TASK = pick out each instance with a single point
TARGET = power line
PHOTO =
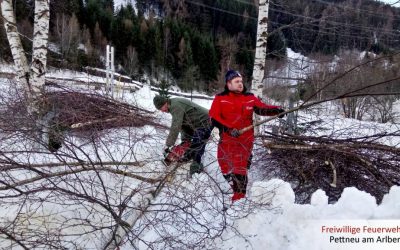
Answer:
(220, 10)
(339, 5)
(248, 3)
(331, 22)
(374, 29)
(336, 32)
(319, 31)
(371, 13)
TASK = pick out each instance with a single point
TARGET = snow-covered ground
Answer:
(286, 225)
(190, 211)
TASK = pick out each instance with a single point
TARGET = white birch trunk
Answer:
(32, 78)
(40, 42)
(261, 48)
(17, 51)
(261, 53)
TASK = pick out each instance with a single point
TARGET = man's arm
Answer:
(261, 108)
(176, 125)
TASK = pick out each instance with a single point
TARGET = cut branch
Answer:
(359, 162)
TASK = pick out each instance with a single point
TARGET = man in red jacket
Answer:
(231, 111)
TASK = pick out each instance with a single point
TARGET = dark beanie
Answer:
(159, 101)
(231, 74)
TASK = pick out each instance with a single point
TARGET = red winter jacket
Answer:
(230, 110)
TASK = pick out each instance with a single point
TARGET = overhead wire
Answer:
(336, 32)
(371, 13)
(346, 25)
(331, 22)
(388, 37)
(345, 7)
(219, 9)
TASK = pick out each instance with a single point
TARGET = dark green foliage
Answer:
(245, 57)
(204, 54)
(99, 11)
(122, 32)
(23, 10)
(164, 88)
(82, 58)
(181, 39)
(231, 15)
(276, 46)
(152, 45)
(327, 26)
(379, 49)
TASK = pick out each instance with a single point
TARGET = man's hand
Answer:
(234, 132)
(281, 110)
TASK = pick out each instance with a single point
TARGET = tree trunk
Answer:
(40, 42)
(261, 48)
(32, 78)
(261, 53)
(17, 51)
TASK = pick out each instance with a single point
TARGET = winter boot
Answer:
(237, 196)
(55, 140)
(195, 168)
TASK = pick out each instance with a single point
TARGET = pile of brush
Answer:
(61, 110)
(88, 111)
(311, 163)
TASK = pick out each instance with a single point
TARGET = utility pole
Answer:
(257, 84)
(110, 69)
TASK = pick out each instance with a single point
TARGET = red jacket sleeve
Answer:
(261, 108)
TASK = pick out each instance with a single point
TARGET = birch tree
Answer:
(261, 47)
(17, 51)
(261, 51)
(32, 76)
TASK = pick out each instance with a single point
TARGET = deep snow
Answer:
(286, 225)
(279, 223)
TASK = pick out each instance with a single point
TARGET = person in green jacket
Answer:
(192, 122)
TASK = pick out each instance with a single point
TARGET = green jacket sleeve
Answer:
(176, 125)
(185, 136)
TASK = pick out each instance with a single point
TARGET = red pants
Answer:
(234, 153)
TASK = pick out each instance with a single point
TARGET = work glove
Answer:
(234, 132)
(281, 110)
(167, 150)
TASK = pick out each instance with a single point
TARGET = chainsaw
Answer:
(177, 153)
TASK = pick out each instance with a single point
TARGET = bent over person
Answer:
(192, 122)
(231, 111)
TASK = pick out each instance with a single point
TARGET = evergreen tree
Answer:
(164, 88)
(205, 57)
(245, 57)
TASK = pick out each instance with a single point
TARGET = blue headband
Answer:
(231, 74)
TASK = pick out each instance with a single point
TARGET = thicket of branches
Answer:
(331, 163)
(105, 186)
(102, 190)
(364, 86)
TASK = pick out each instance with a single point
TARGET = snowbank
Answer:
(292, 226)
